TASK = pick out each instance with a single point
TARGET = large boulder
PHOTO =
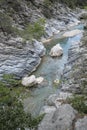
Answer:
(29, 81)
(56, 51)
(72, 33)
(81, 124)
(61, 119)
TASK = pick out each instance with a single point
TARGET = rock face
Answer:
(39, 48)
(75, 70)
(61, 119)
(56, 51)
(81, 124)
(72, 33)
(19, 57)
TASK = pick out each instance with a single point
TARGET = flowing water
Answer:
(50, 69)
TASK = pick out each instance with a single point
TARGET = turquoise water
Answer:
(50, 69)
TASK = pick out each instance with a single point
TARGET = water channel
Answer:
(51, 69)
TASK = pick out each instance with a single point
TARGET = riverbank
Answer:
(60, 115)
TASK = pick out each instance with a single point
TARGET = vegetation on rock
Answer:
(12, 114)
(35, 30)
(79, 102)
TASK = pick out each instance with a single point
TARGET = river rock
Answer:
(39, 48)
(61, 119)
(56, 81)
(57, 99)
(81, 124)
(39, 80)
(56, 51)
(72, 33)
(29, 81)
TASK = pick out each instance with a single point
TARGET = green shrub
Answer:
(35, 30)
(14, 117)
(47, 3)
(79, 102)
(85, 7)
(10, 80)
(5, 23)
(12, 114)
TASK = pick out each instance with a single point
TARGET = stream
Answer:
(51, 69)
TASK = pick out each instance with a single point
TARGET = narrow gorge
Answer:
(43, 65)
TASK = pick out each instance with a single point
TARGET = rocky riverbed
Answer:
(60, 115)
(21, 57)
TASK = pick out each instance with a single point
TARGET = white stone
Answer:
(56, 51)
(39, 80)
(56, 81)
(29, 81)
(72, 33)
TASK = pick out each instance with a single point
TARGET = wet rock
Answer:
(72, 33)
(39, 80)
(81, 124)
(29, 81)
(56, 51)
(61, 119)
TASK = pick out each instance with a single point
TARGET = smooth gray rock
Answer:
(39, 48)
(47, 109)
(61, 119)
(81, 124)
